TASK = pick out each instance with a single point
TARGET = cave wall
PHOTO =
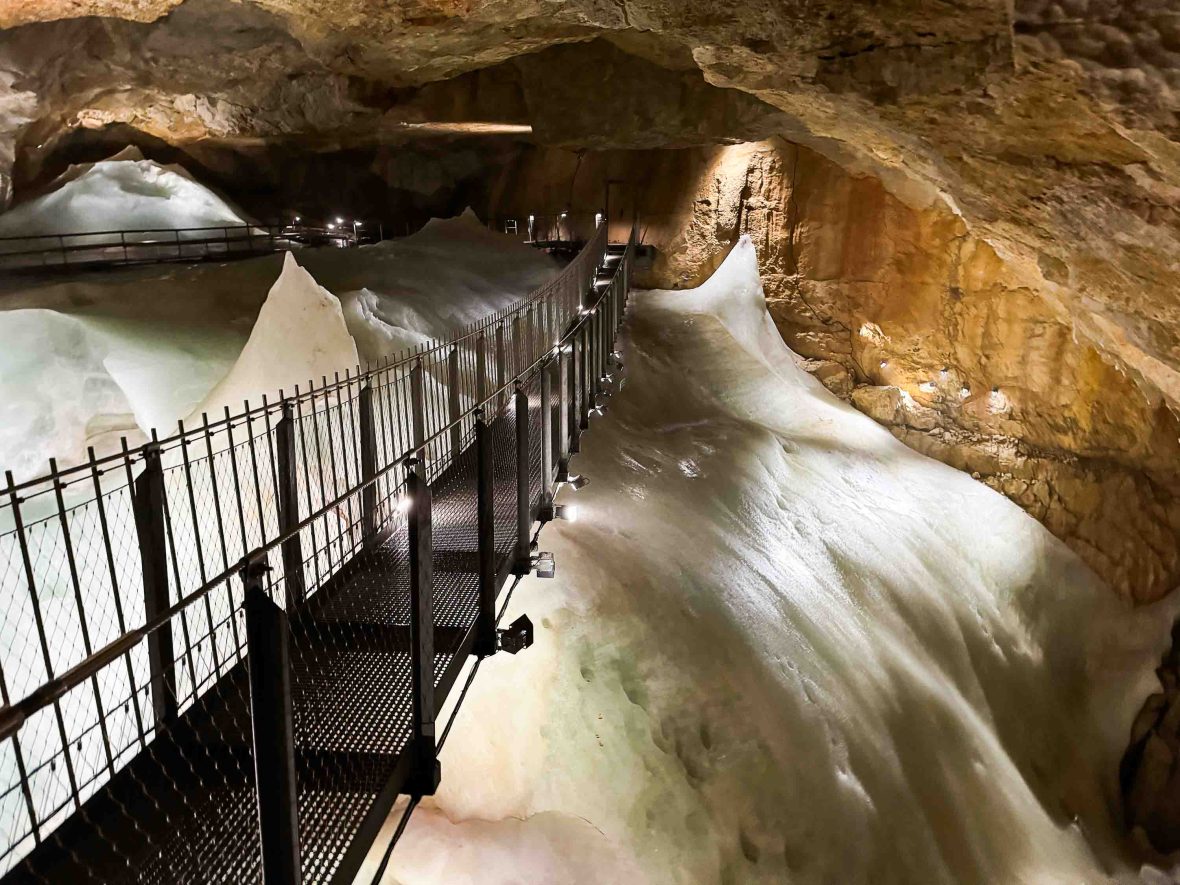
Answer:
(918, 323)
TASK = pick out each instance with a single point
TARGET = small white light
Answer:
(403, 504)
(339, 220)
(597, 218)
(563, 214)
(531, 217)
(884, 364)
(297, 218)
(964, 392)
(331, 226)
(568, 512)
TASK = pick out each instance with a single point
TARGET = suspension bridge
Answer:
(225, 651)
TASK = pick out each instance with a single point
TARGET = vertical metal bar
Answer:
(368, 453)
(21, 771)
(501, 369)
(35, 603)
(524, 517)
(215, 486)
(481, 371)
(148, 502)
(288, 506)
(315, 559)
(116, 595)
(565, 385)
(546, 435)
(485, 641)
(268, 640)
(79, 603)
(192, 509)
(454, 414)
(425, 771)
(587, 397)
(417, 410)
(328, 393)
(575, 381)
(233, 464)
(518, 347)
(171, 546)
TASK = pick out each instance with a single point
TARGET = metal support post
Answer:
(148, 502)
(288, 505)
(424, 770)
(524, 518)
(453, 402)
(368, 428)
(485, 642)
(267, 642)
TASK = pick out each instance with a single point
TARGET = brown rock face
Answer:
(967, 214)
(922, 325)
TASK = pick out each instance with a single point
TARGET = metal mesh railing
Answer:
(134, 585)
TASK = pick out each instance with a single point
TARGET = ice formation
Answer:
(93, 357)
(299, 335)
(125, 192)
(783, 647)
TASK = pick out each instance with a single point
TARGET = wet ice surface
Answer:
(782, 647)
(125, 192)
(90, 358)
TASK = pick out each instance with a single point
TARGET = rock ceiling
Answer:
(1047, 132)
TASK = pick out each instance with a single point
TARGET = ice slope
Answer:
(450, 273)
(782, 647)
(125, 192)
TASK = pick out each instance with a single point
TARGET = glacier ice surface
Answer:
(783, 647)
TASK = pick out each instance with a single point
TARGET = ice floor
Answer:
(782, 647)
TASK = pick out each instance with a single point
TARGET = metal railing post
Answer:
(148, 505)
(288, 505)
(425, 770)
(481, 371)
(587, 397)
(501, 369)
(368, 429)
(418, 413)
(453, 402)
(524, 517)
(546, 435)
(272, 717)
(485, 641)
(564, 428)
(575, 396)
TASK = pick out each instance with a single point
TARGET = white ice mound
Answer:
(783, 647)
(56, 394)
(299, 335)
(429, 285)
(125, 192)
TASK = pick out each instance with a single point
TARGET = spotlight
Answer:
(403, 504)
(577, 481)
(518, 636)
(298, 219)
(568, 512)
(331, 226)
(543, 563)
(339, 220)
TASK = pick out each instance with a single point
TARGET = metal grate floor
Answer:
(350, 674)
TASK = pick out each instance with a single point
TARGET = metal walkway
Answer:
(267, 717)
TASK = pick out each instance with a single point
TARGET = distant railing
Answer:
(77, 251)
(119, 608)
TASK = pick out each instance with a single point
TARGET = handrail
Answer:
(14, 715)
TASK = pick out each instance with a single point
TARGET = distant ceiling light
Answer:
(339, 220)
(531, 219)
(597, 218)
(964, 392)
(297, 218)
(884, 364)
(331, 226)
(564, 214)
